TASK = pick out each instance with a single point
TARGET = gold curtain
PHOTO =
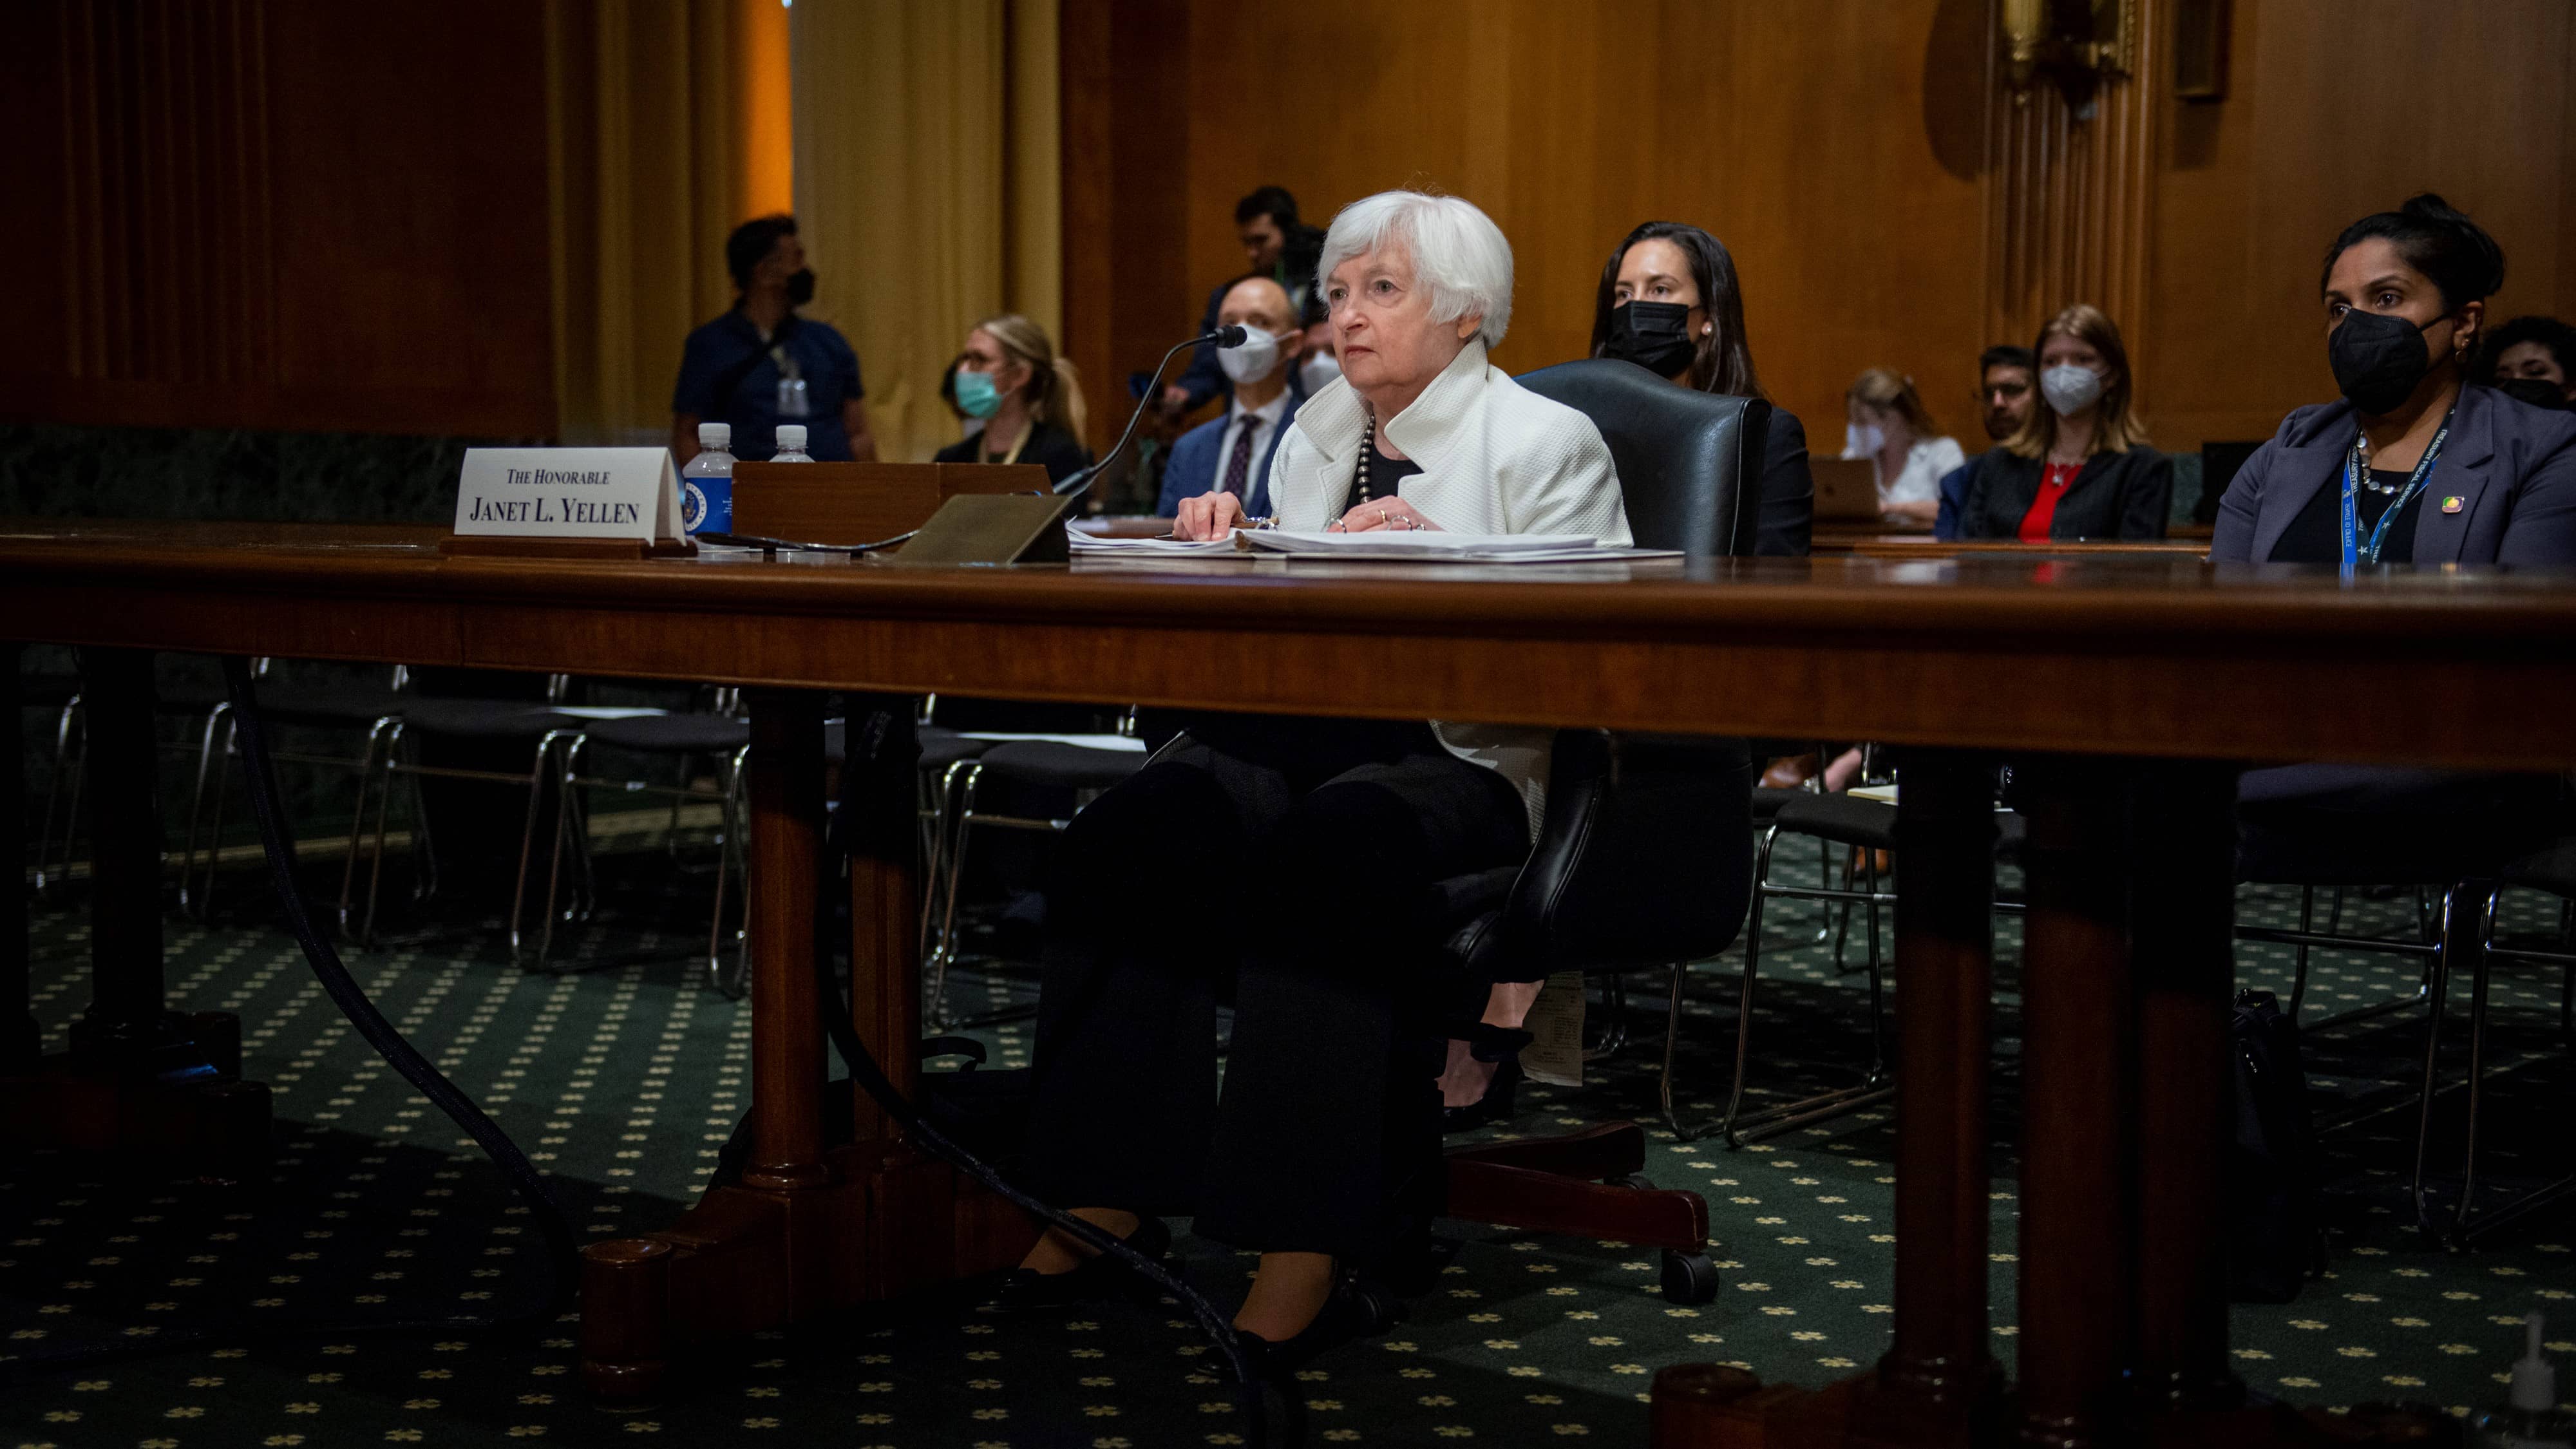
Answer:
(667, 122)
(926, 188)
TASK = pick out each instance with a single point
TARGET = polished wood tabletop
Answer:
(2158, 669)
(2121, 654)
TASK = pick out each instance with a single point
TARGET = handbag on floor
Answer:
(2276, 1235)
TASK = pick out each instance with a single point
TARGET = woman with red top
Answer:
(2081, 467)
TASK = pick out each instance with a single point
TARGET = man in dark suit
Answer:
(2007, 389)
(1232, 453)
(1275, 245)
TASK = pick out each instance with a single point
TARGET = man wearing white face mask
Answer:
(1232, 454)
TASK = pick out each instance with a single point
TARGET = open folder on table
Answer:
(1378, 545)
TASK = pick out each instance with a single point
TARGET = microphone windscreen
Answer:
(1231, 335)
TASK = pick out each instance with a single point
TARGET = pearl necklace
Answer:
(1368, 445)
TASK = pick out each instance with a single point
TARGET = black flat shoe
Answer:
(1357, 1309)
(1102, 1276)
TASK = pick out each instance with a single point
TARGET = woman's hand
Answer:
(1380, 513)
(1210, 515)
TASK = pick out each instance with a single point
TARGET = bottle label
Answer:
(706, 505)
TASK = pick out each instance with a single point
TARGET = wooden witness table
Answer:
(2121, 685)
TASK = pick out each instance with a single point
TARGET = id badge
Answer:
(791, 397)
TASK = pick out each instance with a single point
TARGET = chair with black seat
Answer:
(1644, 856)
(1075, 767)
(532, 724)
(361, 706)
(718, 738)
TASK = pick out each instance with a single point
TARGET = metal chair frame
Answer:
(1874, 1087)
(2467, 1225)
(572, 836)
(542, 766)
(960, 783)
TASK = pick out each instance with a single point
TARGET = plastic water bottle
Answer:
(791, 444)
(706, 485)
(2530, 1418)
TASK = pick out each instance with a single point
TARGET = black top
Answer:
(729, 374)
(2114, 496)
(2316, 534)
(1786, 497)
(1384, 473)
(1048, 444)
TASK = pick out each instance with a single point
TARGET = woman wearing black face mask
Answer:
(2416, 464)
(1668, 303)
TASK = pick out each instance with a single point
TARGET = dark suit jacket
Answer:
(1192, 468)
(2118, 495)
(1787, 500)
(2512, 467)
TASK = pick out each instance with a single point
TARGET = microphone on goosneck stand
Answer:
(1231, 335)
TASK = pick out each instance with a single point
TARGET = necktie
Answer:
(1238, 468)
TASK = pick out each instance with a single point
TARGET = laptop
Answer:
(1846, 489)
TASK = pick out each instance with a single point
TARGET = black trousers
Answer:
(1289, 866)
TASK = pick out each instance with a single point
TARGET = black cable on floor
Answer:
(562, 1252)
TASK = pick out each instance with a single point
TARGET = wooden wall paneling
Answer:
(1835, 147)
(278, 216)
(2473, 102)
(2072, 197)
(1128, 132)
(167, 266)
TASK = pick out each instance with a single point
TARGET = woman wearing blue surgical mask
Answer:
(2081, 467)
(1029, 399)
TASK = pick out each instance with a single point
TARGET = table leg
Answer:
(2079, 1223)
(126, 1010)
(818, 1221)
(1939, 1367)
(1938, 1384)
(879, 797)
(2184, 951)
(786, 790)
(19, 1038)
(139, 1079)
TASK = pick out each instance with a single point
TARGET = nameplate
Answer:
(569, 493)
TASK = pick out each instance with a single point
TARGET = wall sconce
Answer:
(2079, 44)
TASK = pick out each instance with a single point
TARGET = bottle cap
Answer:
(2535, 1383)
(791, 435)
(715, 435)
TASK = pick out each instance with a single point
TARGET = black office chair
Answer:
(1645, 853)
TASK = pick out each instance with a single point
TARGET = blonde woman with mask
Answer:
(1029, 399)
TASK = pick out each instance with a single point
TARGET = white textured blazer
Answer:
(1495, 458)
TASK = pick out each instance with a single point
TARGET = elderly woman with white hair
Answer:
(1306, 850)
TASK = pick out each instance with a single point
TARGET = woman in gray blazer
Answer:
(2437, 470)
(2412, 466)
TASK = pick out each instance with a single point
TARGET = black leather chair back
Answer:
(1684, 457)
(1645, 856)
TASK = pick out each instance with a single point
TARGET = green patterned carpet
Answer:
(623, 1081)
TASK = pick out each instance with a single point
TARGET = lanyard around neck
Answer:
(1026, 427)
(2355, 550)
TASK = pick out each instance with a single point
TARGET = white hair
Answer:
(1457, 252)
